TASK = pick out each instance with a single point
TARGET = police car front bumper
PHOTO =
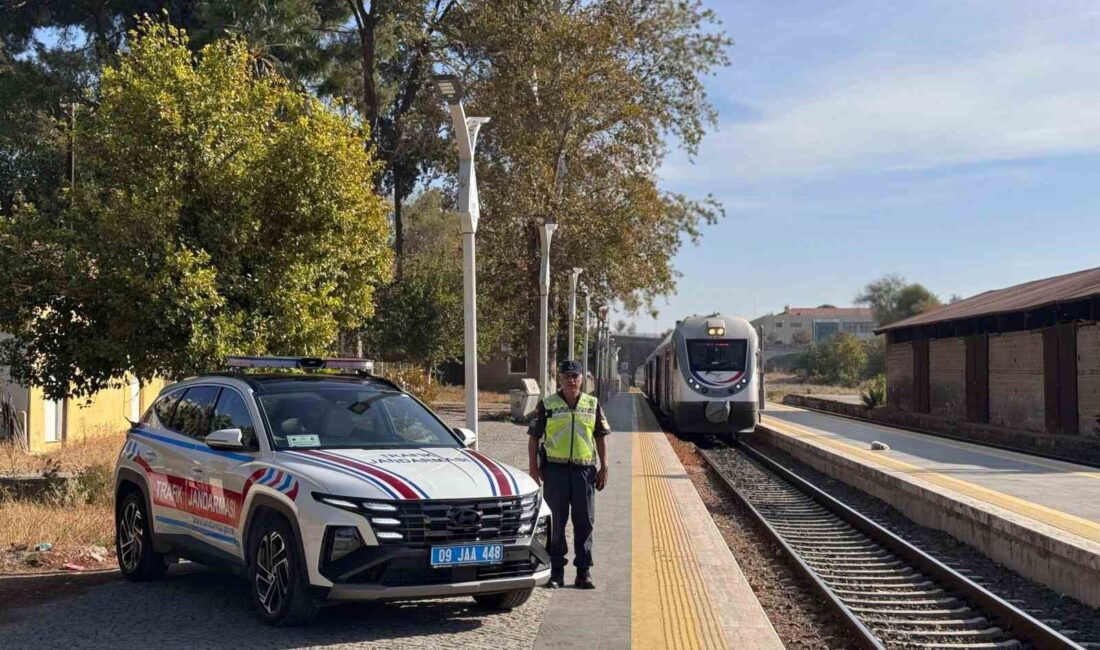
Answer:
(380, 592)
(396, 571)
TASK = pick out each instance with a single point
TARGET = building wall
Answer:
(104, 413)
(947, 377)
(1088, 379)
(782, 327)
(1016, 380)
(899, 375)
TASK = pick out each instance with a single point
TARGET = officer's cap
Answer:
(570, 367)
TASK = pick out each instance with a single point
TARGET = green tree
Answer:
(892, 299)
(419, 313)
(842, 359)
(217, 211)
(581, 96)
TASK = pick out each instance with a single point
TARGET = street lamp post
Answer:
(469, 209)
(587, 308)
(546, 233)
(573, 274)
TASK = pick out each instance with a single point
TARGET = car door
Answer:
(181, 496)
(149, 450)
(225, 472)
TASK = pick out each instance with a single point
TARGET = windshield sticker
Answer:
(304, 441)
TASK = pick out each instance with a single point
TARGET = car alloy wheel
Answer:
(131, 529)
(272, 572)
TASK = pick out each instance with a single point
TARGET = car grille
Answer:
(432, 523)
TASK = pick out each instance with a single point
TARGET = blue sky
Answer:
(955, 143)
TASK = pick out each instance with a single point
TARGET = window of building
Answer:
(796, 325)
(517, 365)
(53, 419)
(849, 327)
(778, 325)
(231, 412)
(193, 412)
(866, 327)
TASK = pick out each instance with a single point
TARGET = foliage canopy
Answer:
(216, 211)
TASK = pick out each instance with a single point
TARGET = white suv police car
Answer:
(323, 487)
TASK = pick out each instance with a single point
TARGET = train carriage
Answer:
(706, 375)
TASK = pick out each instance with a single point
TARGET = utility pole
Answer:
(587, 309)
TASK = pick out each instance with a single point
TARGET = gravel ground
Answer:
(1061, 612)
(798, 616)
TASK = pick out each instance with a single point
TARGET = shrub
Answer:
(413, 379)
(873, 394)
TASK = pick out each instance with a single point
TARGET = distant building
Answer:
(803, 325)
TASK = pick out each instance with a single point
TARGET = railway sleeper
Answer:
(861, 574)
(977, 623)
(899, 593)
(908, 602)
(888, 581)
(1011, 644)
(956, 612)
(988, 634)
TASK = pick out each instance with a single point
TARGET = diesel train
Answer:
(706, 375)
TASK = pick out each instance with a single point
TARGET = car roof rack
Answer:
(359, 366)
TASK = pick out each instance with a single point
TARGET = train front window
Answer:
(727, 355)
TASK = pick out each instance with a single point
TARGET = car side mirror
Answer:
(225, 439)
(468, 438)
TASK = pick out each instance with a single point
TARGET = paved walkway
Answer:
(1057, 493)
(665, 576)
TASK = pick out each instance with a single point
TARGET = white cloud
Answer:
(1034, 92)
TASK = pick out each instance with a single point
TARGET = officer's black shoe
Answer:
(584, 580)
(557, 578)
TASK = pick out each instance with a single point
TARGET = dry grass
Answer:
(101, 449)
(458, 394)
(28, 523)
(777, 385)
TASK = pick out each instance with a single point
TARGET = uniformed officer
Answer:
(572, 429)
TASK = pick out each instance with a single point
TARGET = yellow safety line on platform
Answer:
(1065, 468)
(666, 582)
(1071, 523)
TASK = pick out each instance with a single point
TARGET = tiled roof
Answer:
(831, 312)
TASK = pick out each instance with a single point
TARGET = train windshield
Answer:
(719, 356)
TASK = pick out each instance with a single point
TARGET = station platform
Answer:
(1040, 517)
(665, 577)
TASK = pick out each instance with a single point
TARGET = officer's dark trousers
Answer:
(570, 489)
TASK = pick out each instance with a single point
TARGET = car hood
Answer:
(426, 473)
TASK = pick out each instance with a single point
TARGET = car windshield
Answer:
(721, 356)
(358, 417)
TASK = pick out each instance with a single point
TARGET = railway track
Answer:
(888, 592)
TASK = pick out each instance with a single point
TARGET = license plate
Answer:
(443, 556)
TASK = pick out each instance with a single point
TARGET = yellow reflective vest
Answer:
(570, 433)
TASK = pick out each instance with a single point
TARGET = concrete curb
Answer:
(1048, 555)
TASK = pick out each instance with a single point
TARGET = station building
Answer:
(1025, 359)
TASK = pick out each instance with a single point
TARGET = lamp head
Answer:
(450, 86)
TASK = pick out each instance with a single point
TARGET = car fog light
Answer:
(542, 531)
(342, 540)
(524, 529)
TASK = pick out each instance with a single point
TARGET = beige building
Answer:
(803, 325)
(42, 424)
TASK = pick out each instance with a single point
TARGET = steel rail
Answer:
(1022, 625)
